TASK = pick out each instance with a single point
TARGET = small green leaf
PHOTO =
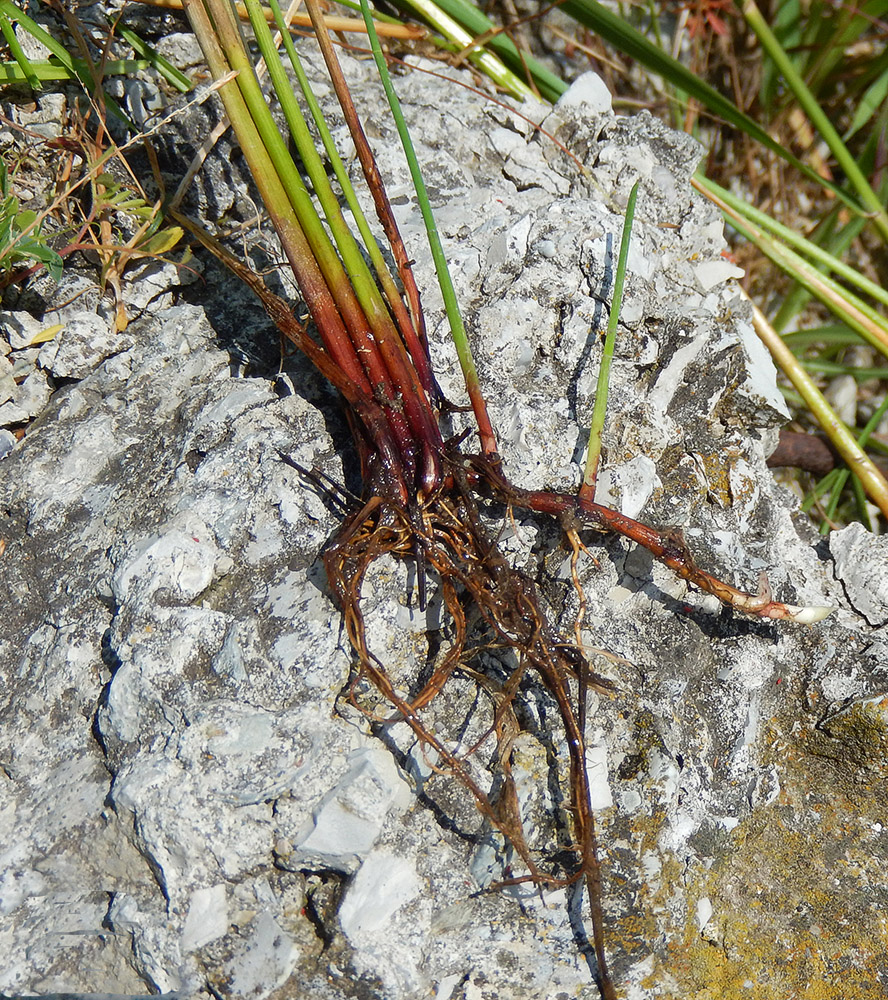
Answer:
(162, 242)
(25, 219)
(870, 103)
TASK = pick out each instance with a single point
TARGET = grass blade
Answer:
(451, 304)
(593, 454)
(618, 32)
(811, 250)
(11, 72)
(817, 117)
(75, 67)
(844, 442)
(848, 307)
(476, 23)
(18, 54)
(163, 66)
(455, 32)
(411, 326)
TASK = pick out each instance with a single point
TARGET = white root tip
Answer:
(809, 615)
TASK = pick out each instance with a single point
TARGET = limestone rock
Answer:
(192, 801)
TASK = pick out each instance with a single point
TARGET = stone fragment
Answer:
(28, 399)
(588, 91)
(348, 821)
(82, 344)
(860, 566)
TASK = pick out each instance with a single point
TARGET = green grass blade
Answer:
(835, 368)
(593, 453)
(345, 242)
(451, 304)
(18, 54)
(75, 67)
(376, 14)
(819, 119)
(872, 100)
(379, 265)
(234, 48)
(833, 336)
(45, 71)
(833, 237)
(843, 440)
(476, 23)
(163, 66)
(315, 289)
(835, 481)
(452, 30)
(852, 310)
(830, 262)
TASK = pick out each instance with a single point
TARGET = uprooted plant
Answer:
(422, 494)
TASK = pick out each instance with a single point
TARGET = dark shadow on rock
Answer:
(258, 350)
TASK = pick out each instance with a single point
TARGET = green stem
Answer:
(411, 395)
(355, 266)
(311, 282)
(818, 117)
(412, 330)
(794, 239)
(451, 304)
(375, 341)
(593, 453)
(76, 67)
(856, 313)
(841, 475)
(454, 32)
(476, 24)
(13, 73)
(163, 66)
(22, 63)
(856, 458)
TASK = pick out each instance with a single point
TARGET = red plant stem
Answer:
(382, 352)
(356, 391)
(667, 548)
(374, 419)
(375, 343)
(352, 342)
(366, 360)
(413, 333)
(346, 335)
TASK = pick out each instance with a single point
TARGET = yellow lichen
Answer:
(794, 887)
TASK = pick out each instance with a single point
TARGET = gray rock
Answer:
(860, 566)
(84, 342)
(180, 49)
(26, 400)
(194, 798)
(20, 329)
(7, 442)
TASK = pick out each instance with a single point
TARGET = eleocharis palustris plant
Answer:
(421, 493)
